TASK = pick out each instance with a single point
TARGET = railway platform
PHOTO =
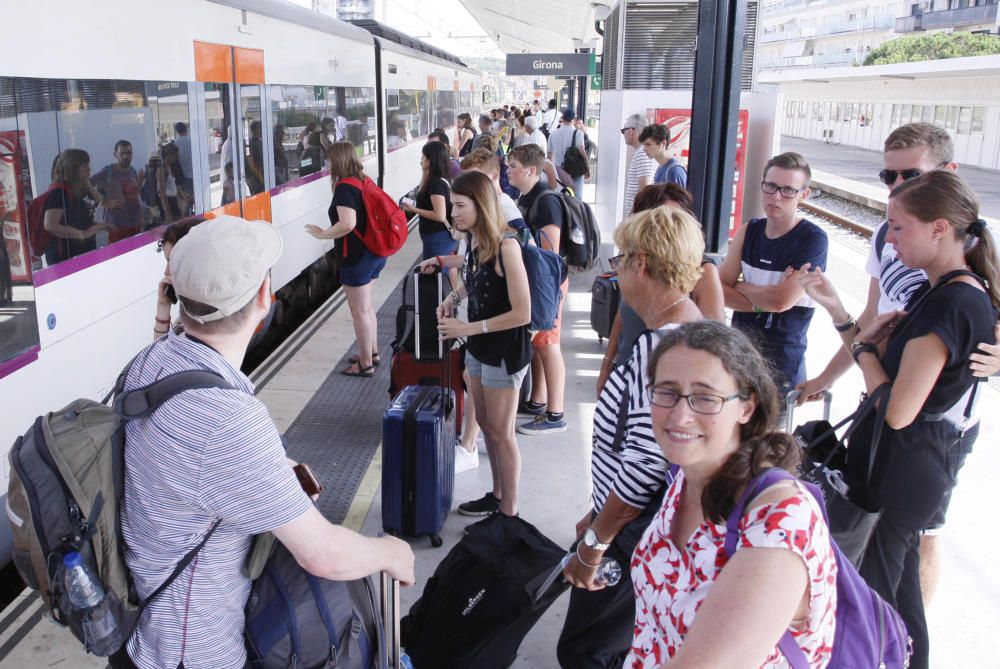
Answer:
(334, 424)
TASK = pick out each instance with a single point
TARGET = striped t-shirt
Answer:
(636, 469)
(203, 455)
(641, 166)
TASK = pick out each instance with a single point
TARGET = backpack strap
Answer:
(142, 402)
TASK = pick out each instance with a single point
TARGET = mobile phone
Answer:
(171, 294)
(310, 484)
(409, 202)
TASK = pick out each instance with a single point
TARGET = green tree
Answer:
(934, 46)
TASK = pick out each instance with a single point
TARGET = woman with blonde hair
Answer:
(497, 342)
(359, 267)
(659, 264)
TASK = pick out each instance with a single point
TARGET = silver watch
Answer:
(591, 541)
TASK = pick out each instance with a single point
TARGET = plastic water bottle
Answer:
(86, 595)
(405, 662)
(609, 573)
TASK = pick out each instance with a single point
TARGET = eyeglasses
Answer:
(615, 262)
(703, 403)
(786, 191)
(624, 130)
(889, 177)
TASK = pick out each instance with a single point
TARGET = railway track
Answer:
(836, 219)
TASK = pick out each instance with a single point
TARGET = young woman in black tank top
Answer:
(499, 348)
(922, 355)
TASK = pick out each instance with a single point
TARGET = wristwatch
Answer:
(591, 541)
(857, 348)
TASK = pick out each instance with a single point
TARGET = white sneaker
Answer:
(464, 460)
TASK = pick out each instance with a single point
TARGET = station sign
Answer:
(551, 64)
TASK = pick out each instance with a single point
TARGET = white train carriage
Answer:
(245, 78)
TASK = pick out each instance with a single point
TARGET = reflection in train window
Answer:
(18, 323)
(221, 156)
(413, 114)
(93, 149)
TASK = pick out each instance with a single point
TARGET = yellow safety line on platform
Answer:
(365, 495)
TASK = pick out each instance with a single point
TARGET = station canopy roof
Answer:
(537, 26)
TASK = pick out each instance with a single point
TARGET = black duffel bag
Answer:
(484, 597)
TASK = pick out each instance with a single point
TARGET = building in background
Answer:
(351, 10)
(821, 33)
(977, 16)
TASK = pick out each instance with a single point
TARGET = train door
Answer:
(231, 134)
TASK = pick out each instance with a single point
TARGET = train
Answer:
(236, 92)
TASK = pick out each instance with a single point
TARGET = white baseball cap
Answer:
(222, 263)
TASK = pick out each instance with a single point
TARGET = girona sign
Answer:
(565, 64)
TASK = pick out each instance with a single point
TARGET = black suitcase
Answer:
(604, 300)
(484, 597)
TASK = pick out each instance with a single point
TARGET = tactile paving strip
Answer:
(340, 428)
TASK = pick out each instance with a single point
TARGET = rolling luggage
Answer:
(418, 461)
(604, 299)
(416, 318)
(406, 370)
(484, 597)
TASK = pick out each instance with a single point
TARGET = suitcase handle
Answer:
(390, 618)
(793, 396)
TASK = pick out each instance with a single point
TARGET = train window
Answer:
(359, 109)
(445, 103)
(964, 120)
(978, 117)
(412, 118)
(18, 322)
(104, 143)
(253, 139)
(222, 164)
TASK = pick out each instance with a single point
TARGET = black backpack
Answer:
(574, 162)
(430, 290)
(295, 619)
(580, 238)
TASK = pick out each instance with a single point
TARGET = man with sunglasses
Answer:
(775, 313)
(909, 151)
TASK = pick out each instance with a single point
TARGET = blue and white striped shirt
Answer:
(203, 455)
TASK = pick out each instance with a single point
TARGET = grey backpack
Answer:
(66, 488)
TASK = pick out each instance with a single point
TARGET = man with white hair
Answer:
(535, 135)
(641, 168)
(208, 467)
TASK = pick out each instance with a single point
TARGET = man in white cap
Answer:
(212, 455)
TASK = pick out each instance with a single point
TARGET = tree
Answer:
(934, 46)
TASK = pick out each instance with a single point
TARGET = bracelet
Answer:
(846, 326)
(161, 331)
(858, 349)
(485, 329)
(161, 321)
(584, 562)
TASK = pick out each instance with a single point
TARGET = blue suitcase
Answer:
(418, 462)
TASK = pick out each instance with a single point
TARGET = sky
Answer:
(433, 21)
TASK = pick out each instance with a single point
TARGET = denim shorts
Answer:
(363, 272)
(493, 376)
(438, 244)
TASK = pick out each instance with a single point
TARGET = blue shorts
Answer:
(363, 272)
(493, 376)
(438, 244)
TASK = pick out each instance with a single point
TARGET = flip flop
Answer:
(366, 372)
(376, 359)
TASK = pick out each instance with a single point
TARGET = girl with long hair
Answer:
(168, 175)
(922, 356)
(359, 267)
(465, 132)
(498, 347)
(433, 202)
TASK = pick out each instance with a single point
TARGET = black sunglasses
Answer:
(889, 177)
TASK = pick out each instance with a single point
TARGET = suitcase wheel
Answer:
(436, 540)
(600, 339)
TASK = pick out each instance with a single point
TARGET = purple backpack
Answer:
(869, 633)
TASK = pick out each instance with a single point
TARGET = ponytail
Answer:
(982, 258)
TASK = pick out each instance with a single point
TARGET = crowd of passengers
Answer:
(687, 411)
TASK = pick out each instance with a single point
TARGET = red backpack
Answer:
(387, 224)
(38, 236)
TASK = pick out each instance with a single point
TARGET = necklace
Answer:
(665, 310)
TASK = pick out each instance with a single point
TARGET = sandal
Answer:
(357, 370)
(376, 359)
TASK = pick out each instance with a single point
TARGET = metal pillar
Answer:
(715, 115)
